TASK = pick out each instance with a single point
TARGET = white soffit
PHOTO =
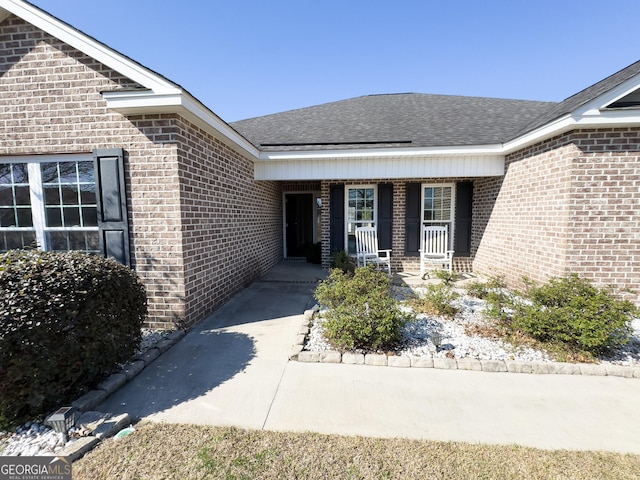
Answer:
(435, 166)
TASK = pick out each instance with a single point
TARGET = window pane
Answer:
(7, 217)
(71, 217)
(68, 173)
(70, 195)
(51, 195)
(89, 217)
(437, 204)
(15, 240)
(5, 174)
(49, 172)
(6, 196)
(58, 241)
(22, 195)
(74, 240)
(85, 172)
(24, 217)
(88, 194)
(54, 217)
(20, 173)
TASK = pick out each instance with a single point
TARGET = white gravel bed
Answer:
(37, 439)
(458, 343)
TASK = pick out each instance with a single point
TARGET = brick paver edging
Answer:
(508, 366)
(109, 425)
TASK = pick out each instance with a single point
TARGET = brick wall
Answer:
(232, 224)
(50, 103)
(565, 205)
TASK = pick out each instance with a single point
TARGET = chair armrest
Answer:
(386, 252)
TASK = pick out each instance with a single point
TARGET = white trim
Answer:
(36, 193)
(346, 209)
(53, 157)
(452, 221)
(144, 102)
(473, 150)
(37, 203)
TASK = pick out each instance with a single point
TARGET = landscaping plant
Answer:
(572, 313)
(437, 299)
(341, 259)
(361, 312)
(66, 321)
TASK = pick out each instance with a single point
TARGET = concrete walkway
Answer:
(233, 369)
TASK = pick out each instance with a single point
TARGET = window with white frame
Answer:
(48, 203)
(438, 206)
(361, 212)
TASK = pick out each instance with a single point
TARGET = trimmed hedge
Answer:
(66, 321)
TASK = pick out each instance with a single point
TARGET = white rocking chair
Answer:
(435, 249)
(367, 251)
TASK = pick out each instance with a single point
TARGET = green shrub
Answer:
(573, 312)
(66, 321)
(438, 299)
(361, 311)
(483, 289)
(341, 259)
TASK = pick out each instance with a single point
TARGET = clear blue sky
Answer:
(246, 58)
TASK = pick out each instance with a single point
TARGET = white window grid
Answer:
(362, 213)
(79, 236)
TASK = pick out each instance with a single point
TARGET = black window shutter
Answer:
(385, 216)
(464, 205)
(412, 220)
(112, 204)
(336, 218)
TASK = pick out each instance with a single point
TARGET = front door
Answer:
(299, 214)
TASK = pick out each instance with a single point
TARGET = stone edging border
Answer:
(108, 426)
(508, 366)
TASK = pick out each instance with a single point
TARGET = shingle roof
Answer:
(583, 97)
(408, 119)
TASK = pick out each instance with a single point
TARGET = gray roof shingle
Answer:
(408, 119)
(581, 98)
(414, 120)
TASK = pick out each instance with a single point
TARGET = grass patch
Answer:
(168, 451)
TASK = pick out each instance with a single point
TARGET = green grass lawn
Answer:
(168, 451)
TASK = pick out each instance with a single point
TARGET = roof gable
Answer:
(586, 96)
(158, 95)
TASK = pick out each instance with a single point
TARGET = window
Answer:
(49, 203)
(361, 212)
(437, 206)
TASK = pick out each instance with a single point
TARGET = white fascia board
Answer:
(609, 97)
(145, 102)
(589, 119)
(383, 152)
(556, 127)
(89, 46)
